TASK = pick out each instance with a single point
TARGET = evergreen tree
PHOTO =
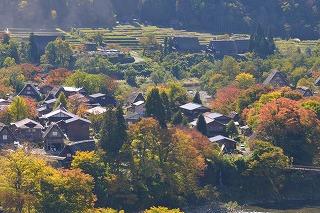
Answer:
(61, 101)
(262, 44)
(202, 125)
(114, 132)
(121, 130)
(167, 105)
(177, 118)
(155, 108)
(197, 99)
(34, 55)
(232, 130)
(108, 132)
(6, 38)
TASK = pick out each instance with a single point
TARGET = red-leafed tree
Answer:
(288, 125)
(57, 77)
(225, 100)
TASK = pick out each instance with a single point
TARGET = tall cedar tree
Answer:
(197, 99)
(262, 44)
(202, 125)
(61, 101)
(177, 118)
(155, 108)
(167, 105)
(6, 38)
(113, 132)
(121, 129)
(34, 55)
(232, 130)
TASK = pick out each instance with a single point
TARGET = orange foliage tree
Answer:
(173, 158)
(288, 125)
(57, 77)
(225, 100)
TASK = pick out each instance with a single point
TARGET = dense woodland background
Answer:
(286, 18)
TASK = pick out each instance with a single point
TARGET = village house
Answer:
(221, 48)
(246, 130)
(216, 123)
(30, 91)
(228, 145)
(53, 139)
(71, 148)
(79, 98)
(186, 44)
(54, 93)
(102, 99)
(243, 45)
(7, 138)
(135, 112)
(68, 91)
(304, 91)
(204, 96)
(77, 129)
(27, 130)
(317, 81)
(135, 97)
(276, 79)
(45, 89)
(4, 102)
(98, 110)
(193, 110)
(218, 117)
(234, 116)
(60, 114)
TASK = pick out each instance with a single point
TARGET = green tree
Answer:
(177, 118)
(8, 62)
(66, 191)
(262, 44)
(121, 129)
(245, 80)
(202, 125)
(231, 130)
(167, 105)
(113, 132)
(58, 53)
(196, 98)
(18, 109)
(155, 108)
(33, 52)
(6, 38)
(61, 101)
(130, 76)
(162, 210)
(92, 164)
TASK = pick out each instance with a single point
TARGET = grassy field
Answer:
(285, 46)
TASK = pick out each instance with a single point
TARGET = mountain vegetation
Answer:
(286, 18)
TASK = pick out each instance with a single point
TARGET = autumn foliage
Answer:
(57, 77)
(225, 100)
(291, 127)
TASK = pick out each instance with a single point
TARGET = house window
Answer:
(5, 137)
(54, 133)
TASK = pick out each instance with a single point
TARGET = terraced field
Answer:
(128, 36)
(288, 45)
